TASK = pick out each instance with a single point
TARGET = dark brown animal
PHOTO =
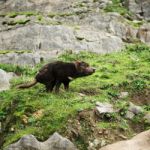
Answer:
(56, 73)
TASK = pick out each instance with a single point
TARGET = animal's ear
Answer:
(77, 64)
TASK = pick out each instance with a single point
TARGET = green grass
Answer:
(117, 7)
(120, 71)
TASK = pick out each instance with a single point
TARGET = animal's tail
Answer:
(28, 85)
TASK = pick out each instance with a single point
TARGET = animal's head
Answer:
(83, 68)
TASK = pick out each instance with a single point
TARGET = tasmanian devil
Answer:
(58, 72)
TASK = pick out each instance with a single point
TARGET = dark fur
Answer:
(56, 73)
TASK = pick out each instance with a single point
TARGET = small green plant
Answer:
(12, 14)
(22, 21)
(107, 125)
(51, 15)
(39, 17)
(137, 48)
(2, 15)
(137, 85)
(116, 6)
(28, 14)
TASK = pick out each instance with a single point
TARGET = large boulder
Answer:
(55, 142)
(139, 142)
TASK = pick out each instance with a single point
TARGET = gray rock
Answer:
(104, 3)
(147, 118)
(129, 115)
(112, 23)
(139, 142)
(135, 109)
(144, 33)
(103, 108)
(123, 95)
(39, 38)
(55, 142)
(4, 80)
(94, 145)
(139, 8)
(28, 5)
(27, 59)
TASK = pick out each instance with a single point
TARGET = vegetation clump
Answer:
(117, 6)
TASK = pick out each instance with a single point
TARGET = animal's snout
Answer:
(90, 70)
(94, 69)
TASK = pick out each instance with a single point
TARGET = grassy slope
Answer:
(123, 71)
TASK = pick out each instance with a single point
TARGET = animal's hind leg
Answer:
(50, 86)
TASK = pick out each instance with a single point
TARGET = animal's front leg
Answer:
(50, 85)
(57, 86)
(66, 85)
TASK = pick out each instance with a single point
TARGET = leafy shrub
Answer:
(138, 85)
(138, 48)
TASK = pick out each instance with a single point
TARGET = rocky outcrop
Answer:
(140, 8)
(87, 27)
(30, 5)
(144, 33)
(41, 37)
(52, 6)
(4, 79)
(27, 59)
(139, 142)
(55, 142)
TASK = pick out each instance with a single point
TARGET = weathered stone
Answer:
(94, 145)
(4, 80)
(112, 23)
(38, 37)
(55, 142)
(129, 115)
(104, 3)
(103, 108)
(123, 95)
(144, 33)
(135, 109)
(27, 59)
(139, 8)
(139, 142)
(147, 117)
(30, 5)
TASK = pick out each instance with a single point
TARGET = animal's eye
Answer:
(85, 65)
(82, 65)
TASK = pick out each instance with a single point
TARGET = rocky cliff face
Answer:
(48, 25)
(140, 8)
